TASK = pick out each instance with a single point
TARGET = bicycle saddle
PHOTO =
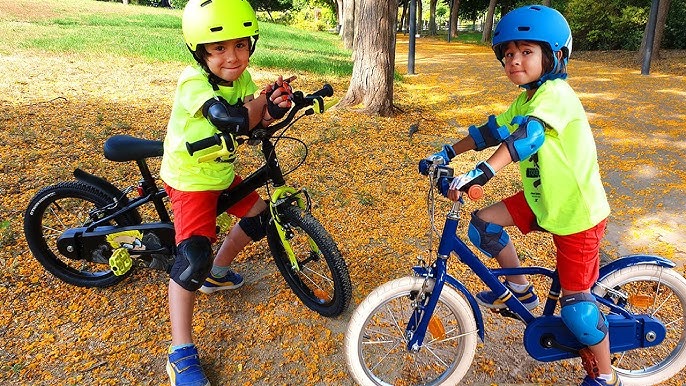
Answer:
(121, 148)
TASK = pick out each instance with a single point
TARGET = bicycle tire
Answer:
(322, 282)
(57, 208)
(376, 346)
(660, 292)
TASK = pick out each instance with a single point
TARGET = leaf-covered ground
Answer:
(57, 110)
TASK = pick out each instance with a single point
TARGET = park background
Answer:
(75, 73)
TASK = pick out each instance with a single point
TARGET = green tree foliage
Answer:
(620, 24)
(607, 25)
(675, 31)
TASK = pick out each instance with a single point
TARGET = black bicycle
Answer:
(89, 233)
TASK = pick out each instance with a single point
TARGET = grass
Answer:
(157, 36)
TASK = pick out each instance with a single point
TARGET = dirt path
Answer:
(55, 111)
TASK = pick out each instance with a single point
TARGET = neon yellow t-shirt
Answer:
(180, 170)
(561, 181)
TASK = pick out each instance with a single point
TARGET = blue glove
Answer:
(478, 176)
(445, 155)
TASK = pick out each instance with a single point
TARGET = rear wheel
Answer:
(66, 205)
(321, 280)
(661, 293)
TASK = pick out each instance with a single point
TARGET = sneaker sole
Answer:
(209, 290)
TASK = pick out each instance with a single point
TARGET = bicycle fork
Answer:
(285, 195)
(422, 316)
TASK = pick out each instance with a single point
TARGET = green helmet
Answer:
(211, 21)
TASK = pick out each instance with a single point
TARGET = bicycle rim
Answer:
(658, 292)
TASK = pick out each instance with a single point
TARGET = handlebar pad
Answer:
(203, 144)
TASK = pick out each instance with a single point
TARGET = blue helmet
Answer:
(536, 23)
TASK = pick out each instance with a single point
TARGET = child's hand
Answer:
(477, 176)
(279, 95)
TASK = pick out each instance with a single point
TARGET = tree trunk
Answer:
(339, 16)
(662, 13)
(403, 15)
(453, 18)
(488, 24)
(373, 57)
(420, 21)
(432, 17)
(546, 3)
(348, 28)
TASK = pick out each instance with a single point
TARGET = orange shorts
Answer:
(195, 213)
(578, 258)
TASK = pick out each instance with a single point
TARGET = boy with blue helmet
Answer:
(546, 131)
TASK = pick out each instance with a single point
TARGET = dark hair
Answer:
(549, 61)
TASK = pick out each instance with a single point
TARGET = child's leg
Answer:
(237, 238)
(507, 258)
(181, 303)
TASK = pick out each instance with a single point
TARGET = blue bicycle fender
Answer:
(478, 317)
(631, 260)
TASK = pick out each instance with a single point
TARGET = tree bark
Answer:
(348, 27)
(373, 57)
(339, 16)
(453, 18)
(432, 17)
(662, 12)
(546, 3)
(420, 21)
(488, 24)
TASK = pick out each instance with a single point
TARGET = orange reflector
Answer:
(436, 328)
(322, 295)
(643, 301)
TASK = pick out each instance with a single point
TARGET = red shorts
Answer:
(578, 258)
(195, 213)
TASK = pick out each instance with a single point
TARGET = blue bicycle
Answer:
(423, 329)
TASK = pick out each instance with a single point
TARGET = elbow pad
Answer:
(226, 117)
(527, 139)
(488, 135)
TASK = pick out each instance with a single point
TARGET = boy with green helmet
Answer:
(217, 94)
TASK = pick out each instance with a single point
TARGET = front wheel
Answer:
(376, 345)
(321, 279)
(661, 293)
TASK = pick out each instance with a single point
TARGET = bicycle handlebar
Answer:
(214, 140)
(475, 192)
(299, 100)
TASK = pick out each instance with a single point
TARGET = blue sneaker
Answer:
(231, 280)
(490, 300)
(615, 381)
(183, 368)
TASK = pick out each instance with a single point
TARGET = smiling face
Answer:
(228, 59)
(523, 62)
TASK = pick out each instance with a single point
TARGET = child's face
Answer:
(523, 62)
(228, 59)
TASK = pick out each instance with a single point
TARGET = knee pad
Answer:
(193, 262)
(488, 237)
(581, 315)
(256, 227)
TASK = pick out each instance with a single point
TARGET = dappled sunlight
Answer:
(673, 91)
(659, 233)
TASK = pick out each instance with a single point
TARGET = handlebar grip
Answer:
(325, 91)
(475, 192)
(215, 140)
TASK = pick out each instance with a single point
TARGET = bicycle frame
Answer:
(566, 345)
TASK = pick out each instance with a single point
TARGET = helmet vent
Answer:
(523, 28)
(204, 3)
(216, 29)
(247, 24)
